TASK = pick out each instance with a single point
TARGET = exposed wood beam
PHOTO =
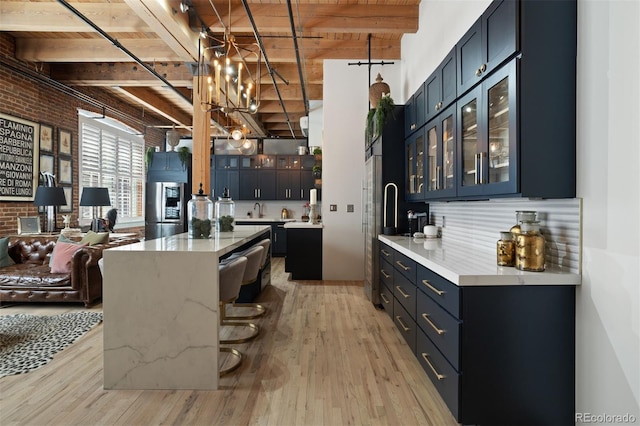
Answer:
(92, 50)
(157, 104)
(52, 17)
(120, 74)
(318, 18)
(153, 50)
(172, 27)
(295, 105)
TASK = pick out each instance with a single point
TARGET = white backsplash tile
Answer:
(479, 223)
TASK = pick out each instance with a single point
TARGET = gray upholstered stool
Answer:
(252, 257)
(257, 256)
(230, 275)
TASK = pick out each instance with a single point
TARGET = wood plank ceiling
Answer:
(82, 52)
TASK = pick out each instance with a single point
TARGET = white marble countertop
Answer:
(263, 219)
(303, 225)
(221, 242)
(468, 265)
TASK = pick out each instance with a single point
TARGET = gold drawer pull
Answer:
(406, 268)
(384, 273)
(386, 253)
(432, 288)
(438, 375)
(438, 330)
(405, 295)
(384, 298)
(404, 327)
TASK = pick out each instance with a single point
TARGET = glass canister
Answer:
(506, 249)
(530, 247)
(200, 210)
(521, 216)
(225, 212)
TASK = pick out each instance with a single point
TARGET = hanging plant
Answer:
(183, 154)
(148, 157)
(377, 117)
(383, 110)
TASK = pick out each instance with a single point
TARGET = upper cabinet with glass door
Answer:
(487, 136)
(440, 153)
(415, 166)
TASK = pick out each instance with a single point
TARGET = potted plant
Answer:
(183, 154)
(148, 157)
(317, 171)
(317, 152)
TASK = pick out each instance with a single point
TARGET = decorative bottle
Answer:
(521, 216)
(506, 249)
(200, 210)
(530, 247)
(225, 212)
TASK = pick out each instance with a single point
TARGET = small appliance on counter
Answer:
(417, 222)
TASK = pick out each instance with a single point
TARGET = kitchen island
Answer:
(160, 304)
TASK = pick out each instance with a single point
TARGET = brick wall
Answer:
(24, 97)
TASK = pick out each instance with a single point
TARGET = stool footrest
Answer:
(261, 310)
(235, 353)
(253, 335)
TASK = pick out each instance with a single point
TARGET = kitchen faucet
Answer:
(259, 209)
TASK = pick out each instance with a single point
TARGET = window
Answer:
(112, 157)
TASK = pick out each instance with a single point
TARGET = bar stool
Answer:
(257, 255)
(253, 256)
(230, 279)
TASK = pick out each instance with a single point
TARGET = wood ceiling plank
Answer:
(52, 16)
(360, 18)
(268, 93)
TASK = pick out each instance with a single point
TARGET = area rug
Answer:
(30, 341)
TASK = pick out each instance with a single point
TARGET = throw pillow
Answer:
(5, 259)
(93, 238)
(61, 239)
(62, 254)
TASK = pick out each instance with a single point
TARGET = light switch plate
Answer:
(333, 207)
(349, 208)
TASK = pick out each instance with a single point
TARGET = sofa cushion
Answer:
(62, 254)
(93, 238)
(5, 259)
(33, 276)
(61, 239)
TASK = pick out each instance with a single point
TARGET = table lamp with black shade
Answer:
(49, 197)
(93, 196)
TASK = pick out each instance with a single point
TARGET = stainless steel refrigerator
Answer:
(165, 209)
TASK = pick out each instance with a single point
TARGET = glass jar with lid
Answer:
(200, 215)
(521, 216)
(530, 247)
(506, 249)
(225, 212)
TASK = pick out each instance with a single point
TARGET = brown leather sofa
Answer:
(31, 280)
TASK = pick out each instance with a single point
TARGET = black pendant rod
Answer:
(369, 63)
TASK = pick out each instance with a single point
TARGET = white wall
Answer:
(346, 102)
(608, 301)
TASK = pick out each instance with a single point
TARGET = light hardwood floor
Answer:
(325, 356)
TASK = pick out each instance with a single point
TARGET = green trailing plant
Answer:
(183, 154)
(317, 171)
(148, 156)
(377, 117)
(317, 151)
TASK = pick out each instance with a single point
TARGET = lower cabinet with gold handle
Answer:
(497, 354)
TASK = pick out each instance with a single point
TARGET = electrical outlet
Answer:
(349, 208)
(333, 207)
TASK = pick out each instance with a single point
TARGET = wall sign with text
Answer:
(19, 157)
